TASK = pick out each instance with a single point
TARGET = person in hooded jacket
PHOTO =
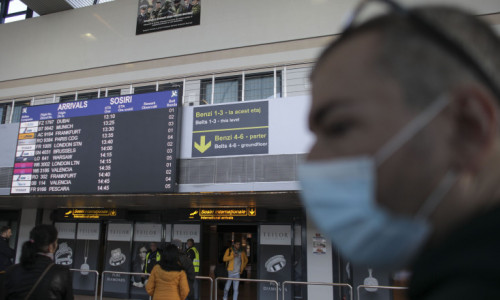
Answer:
(168, 279)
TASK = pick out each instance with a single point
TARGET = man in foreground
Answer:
(406, 164)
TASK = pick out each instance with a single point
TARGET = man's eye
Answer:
(339, 128)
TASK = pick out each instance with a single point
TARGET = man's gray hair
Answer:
(420, 64)
(426, 69)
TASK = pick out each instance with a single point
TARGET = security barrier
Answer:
(121, 273)
(248, 280)
(211, 283)
(316, 283)
(214, 283)
(96, 277)
(384, 287)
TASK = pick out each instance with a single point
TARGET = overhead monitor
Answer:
(124, 144)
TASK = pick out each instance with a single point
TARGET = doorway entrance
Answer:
(217, 239)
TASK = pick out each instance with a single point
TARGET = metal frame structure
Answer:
(282, 70)
(96, 278)
(5, 9)
(249, 280)
(211, 283)
(384, 287)
(316, 283)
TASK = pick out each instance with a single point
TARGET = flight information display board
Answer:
(125, 144)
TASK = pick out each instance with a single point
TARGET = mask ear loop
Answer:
(403, 136)
(410, 130)
(436, 196)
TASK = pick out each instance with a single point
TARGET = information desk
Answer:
(125, 144)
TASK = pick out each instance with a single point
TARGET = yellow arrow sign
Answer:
(202, 147)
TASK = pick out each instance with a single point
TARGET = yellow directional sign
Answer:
(191, 215)
(222, 213)
(90, 213)
(202, 147)
(252, 211)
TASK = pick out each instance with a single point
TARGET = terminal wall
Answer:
(104, 35)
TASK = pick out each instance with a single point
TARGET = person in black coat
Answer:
(187, 266)
(36, 258)
(6, 253)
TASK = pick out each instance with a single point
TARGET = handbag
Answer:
(38, 281)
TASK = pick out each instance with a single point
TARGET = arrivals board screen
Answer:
(125, 144)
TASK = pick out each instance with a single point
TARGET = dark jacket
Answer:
(55, 285)
(6, 254)
(152, 259)
(187, 265)
(464, 266)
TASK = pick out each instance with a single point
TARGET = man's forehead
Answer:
(351, 78)
(357, 51)
(345, 70)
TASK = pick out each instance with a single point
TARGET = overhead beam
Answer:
(46, 7)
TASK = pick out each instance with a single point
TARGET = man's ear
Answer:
(52, 247)
(475, 115)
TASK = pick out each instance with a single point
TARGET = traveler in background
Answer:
(6, 253)
(187, 266)
(152, 257)
(37, 277)
(168, 280)
(237, 261)
(193, 255)
(404, 171)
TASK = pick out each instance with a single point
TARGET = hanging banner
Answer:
(159, 15)
(231, 129)
(117, 259)
(184, 232)
(147, 233)
(137, 282)
(87, 238)
(66, 239)
(144, 234)
(275, 261)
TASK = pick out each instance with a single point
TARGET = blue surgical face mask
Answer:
(340, 194)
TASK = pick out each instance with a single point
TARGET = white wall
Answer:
(58, 42)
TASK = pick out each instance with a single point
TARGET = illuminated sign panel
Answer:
(89, 214)
(231, 129)
(125, 144)
(223, 213)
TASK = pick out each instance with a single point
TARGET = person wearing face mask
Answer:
(404, 170)
(37, 277)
